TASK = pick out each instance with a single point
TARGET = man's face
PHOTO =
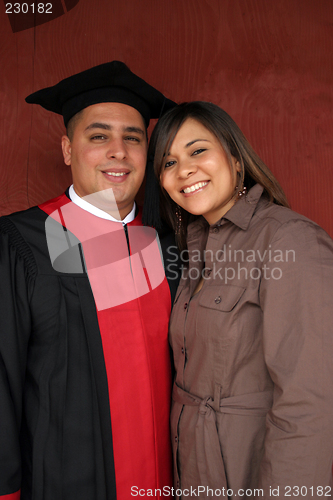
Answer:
(108, 150)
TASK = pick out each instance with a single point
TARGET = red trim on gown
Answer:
(133, 307)
(11, 496)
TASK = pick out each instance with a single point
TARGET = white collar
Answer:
(88, 207)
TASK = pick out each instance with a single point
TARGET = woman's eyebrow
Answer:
(188, 145)
(195, 140)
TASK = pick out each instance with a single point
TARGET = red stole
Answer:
(133, 306)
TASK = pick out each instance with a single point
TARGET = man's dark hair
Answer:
(72, 124)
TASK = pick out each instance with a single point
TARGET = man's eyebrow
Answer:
(136, 130)
(104, 126)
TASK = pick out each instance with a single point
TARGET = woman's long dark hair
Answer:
(253, 170)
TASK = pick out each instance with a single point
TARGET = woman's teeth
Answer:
(195, 187)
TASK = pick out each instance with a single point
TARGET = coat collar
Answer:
(240, 214)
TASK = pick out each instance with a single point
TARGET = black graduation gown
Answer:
(55, 431)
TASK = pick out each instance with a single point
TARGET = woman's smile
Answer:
(194, 188)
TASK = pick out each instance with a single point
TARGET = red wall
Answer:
(268, 63)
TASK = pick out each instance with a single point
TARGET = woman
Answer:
(251, 327)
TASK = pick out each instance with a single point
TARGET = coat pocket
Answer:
(217, 312)
(222, 297)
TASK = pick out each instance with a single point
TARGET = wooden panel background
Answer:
(268, 63)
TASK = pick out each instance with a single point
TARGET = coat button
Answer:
(217, 300)
(185, 306)
(215, 229)
(183, 350)
(176, 439)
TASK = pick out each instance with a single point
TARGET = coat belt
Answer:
(208, 451)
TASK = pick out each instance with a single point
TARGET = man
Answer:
(85, 375)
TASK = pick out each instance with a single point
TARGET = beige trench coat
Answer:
(253, 350)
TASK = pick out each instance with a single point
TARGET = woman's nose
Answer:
(186, 168)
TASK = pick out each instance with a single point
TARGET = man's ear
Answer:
(66, 149)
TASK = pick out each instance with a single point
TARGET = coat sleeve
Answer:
(296, 299)
(15, 325)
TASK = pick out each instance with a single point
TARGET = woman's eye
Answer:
(169, 164)
(198, 151)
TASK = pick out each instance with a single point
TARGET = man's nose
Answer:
(117, 149)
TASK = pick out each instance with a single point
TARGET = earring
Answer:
(178, 214)
(241, 193)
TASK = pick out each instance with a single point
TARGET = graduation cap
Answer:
(109, 82)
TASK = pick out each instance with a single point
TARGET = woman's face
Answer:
(197, 174)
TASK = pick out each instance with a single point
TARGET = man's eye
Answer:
(98, 137)
(131, 138)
